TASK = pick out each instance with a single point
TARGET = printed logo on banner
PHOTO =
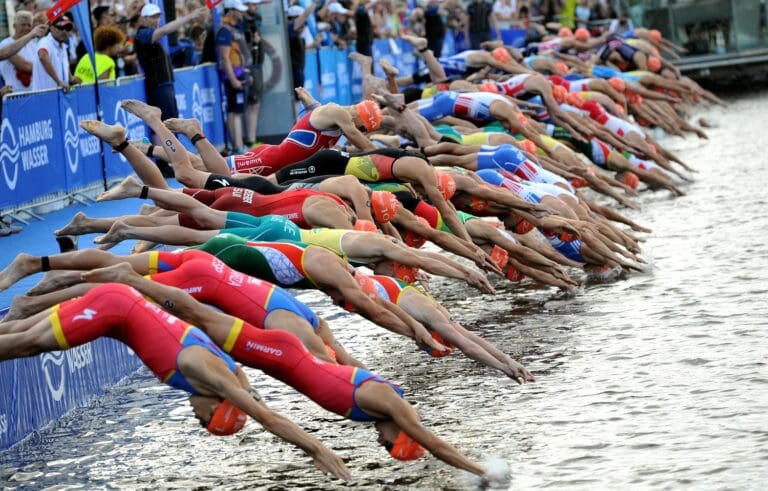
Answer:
(71, 140)
(134, 127)
(9, 153)
(3, 424)
(55, 370)
(202, 103)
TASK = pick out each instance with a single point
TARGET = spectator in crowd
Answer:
(197, 34)
(108, 42)
(17, 70)
(363, 27)
(457, 21)
(583, 13)
(158, 72)
(50, 68)
(253, 38)
(503, 14)
(103, 15)
(234, 63)
(338, 20)
(297, 17)
(479, 13)
(603, 9)
(434, 28)
(391, 27)
(416, 22)
(549, 10)
(534, 32)
(622, 24)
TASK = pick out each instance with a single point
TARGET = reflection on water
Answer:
(657, 380)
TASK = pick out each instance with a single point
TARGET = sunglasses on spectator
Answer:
(65, 27)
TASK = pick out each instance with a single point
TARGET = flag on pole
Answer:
(59, 8)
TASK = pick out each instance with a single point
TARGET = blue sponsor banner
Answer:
(312, 74)
(198, 95)
(110, 97)
(357, 78)
(328, 92)
(381, 50)
(82, 151)
(40, 389)
(31, 143)
(343, 82)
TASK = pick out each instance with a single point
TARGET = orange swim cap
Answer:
(501, 54)
(653, 64)
(631, 180)
(370, 114)
(560, 93)
(404, 273)
(365, 226)
(514, 275)
(565, 32)
(655, 35)
(499, 256)
(405, 448)
(489, 87)
(617, 84)
(440, 354)
(529, 146)
(445, 184)
(575, 99)
(412, 239)
(367, 285)
(385, 206)
(582, 34)
(620, 108)
(227, 419)
(522, 119)
(561, 67)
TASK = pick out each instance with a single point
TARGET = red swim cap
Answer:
(385, 206)
(501, 54)
(404, 273)
(560, 93)
(367, 285)
(405, 448)
(617, 83)
(227, 419)
(655, 35)
(412, 239)
(653, 64)
(489, 87)
(522, 226)
(445, 184)
(514, 275)
(365, 226)
(575, 99)
(499, 256)
(440, 354)
(370, 114)
(561, 67)
(565, 32)
(631, 180)
(582, 34)
(579, 182)
(567, 237)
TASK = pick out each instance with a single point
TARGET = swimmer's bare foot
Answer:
(144, 111)
(112, 135)
(77, 226)
(129, 188)
(21, 267)
(147, 209)
(117, 273)
(389, 70)
(361, 59)
(19, 308)
(417, 42)
(187, 127)
(53, 281)
(142, 246)
(116, 234)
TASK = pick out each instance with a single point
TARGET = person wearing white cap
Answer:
(50, 68)
(338, 19)
(234, 63)
(158, 71)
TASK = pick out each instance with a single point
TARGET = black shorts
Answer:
(164, 97)
(236, 98)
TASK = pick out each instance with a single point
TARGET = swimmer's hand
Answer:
(484, 261)
(518, 372)
(479, 281)
(328, 462)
